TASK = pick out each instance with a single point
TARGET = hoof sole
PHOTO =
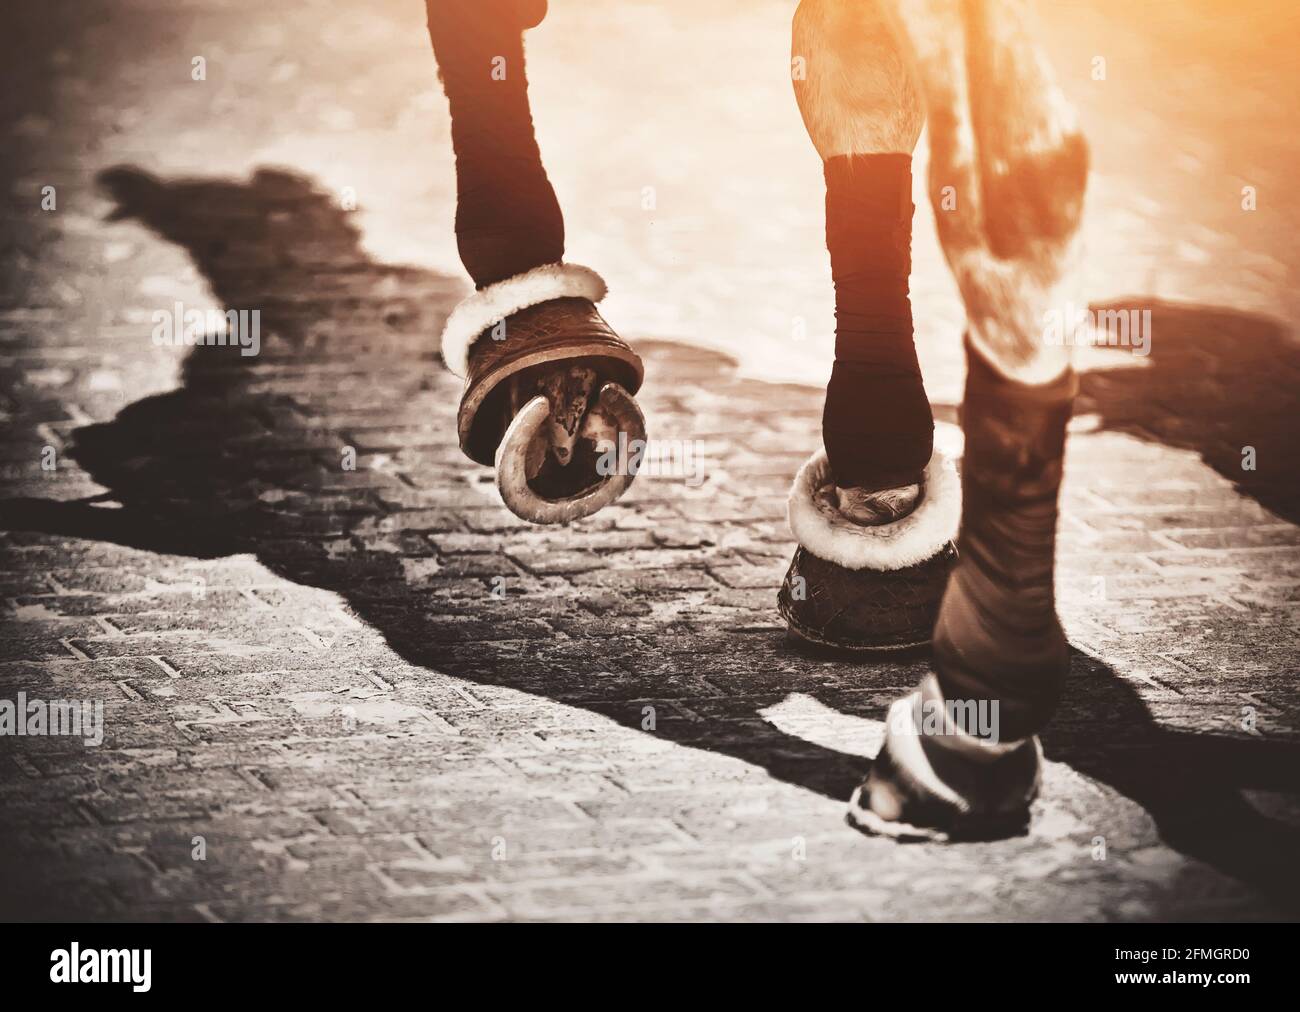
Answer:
(620, 411)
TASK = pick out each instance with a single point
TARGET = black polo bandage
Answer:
(877, 425)
(507, 218)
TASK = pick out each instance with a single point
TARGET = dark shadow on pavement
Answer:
(1217, 382)
(1214, 381)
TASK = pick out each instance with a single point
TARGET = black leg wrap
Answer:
(507, 217)
(998, 637)
(877, 425)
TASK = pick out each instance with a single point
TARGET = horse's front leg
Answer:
(546, 377)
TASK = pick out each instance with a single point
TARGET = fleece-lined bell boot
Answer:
(869, 588)
(539, 362)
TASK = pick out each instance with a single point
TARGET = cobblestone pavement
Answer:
(370, 693)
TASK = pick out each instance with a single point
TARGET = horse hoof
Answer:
(536, 489)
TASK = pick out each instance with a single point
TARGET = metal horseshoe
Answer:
(513, 453)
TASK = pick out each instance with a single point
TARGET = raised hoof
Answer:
(562, 495)
(864, 610)
(563, 330)
(531, 349)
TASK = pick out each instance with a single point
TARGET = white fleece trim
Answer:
(829, 535)
(476, 312)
